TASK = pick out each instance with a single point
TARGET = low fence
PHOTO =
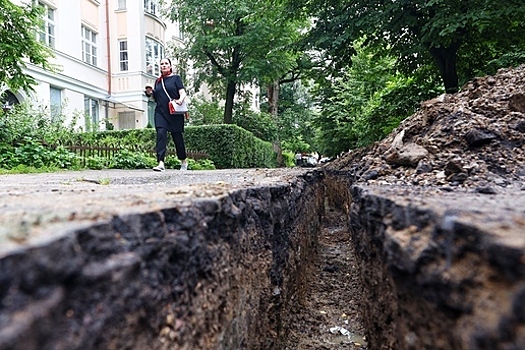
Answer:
(93, 149)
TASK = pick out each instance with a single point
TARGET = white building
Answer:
(107, 50)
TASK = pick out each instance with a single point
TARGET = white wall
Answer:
(77, 78)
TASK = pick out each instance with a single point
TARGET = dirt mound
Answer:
(471, 139)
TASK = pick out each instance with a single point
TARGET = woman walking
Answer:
(169, 95)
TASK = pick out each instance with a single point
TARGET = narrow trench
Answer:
(330, 316)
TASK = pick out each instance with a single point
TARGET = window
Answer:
(46, 33)
(89, 46)
(154, 53)
(150, 6)
(91, 113)
(8, 100)
(123, 56)
(177, 32)
(121, 4)
(55, 101)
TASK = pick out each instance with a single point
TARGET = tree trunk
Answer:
(231, 74)
(273, 98)
(273, 102)
(228, 108)
(278, 149)
(446, 61)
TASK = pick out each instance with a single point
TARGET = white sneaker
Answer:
(184, 166)
(159, 167)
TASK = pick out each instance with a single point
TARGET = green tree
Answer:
(419, 32)
(367, 102)
(233, 43)
(205, 112)
(19, 44)
(295, 115)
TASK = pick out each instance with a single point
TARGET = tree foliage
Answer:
(367, 102)
(419, 32)
(236, 42)
(19, 45)
(295, 115)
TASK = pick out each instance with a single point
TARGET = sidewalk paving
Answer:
(33, 207)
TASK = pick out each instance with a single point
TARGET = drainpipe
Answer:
(108, 47)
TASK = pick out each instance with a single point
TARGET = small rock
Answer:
(408, 155)
(371, 175)
(460, 177)
(423, 167)
(477, 138)
(521, 127)
(486, 190)
(331, 268)
(453, 167)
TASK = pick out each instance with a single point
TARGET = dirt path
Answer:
(331, 317)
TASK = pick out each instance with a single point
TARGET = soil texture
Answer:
(472, 140)
(330, 316)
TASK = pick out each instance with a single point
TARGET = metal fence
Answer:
(93, 149)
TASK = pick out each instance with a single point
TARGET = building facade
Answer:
(106, 51)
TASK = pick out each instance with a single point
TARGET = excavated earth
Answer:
(119, 259)
(437, 216)
(416, 242)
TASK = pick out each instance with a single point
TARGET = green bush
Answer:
(27, 136)
(33, 153)
(201, 164)
(288, 159)
(261, 125)
(227, 146)
(63, 158)
(30, 139)
(230, 146)
(28, 121)
(126, 159)
(96, 162)
(7, 156)
(205, 112)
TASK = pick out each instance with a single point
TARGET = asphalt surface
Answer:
(36, 208)
(500, 215)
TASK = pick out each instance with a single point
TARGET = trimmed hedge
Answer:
(230, 146)
(227, 145)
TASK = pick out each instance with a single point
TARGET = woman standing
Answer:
(169, 94)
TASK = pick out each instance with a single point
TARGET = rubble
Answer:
(474, 139)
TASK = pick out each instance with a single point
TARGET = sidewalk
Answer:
(36, 206)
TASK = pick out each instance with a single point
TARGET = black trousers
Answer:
(162, 144)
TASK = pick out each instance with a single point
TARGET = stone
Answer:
(408, 155)
(477, 138)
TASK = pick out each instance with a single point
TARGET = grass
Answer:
(24, 169)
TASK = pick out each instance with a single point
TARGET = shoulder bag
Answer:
(173, 107)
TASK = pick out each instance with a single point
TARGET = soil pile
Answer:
(473, 139)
